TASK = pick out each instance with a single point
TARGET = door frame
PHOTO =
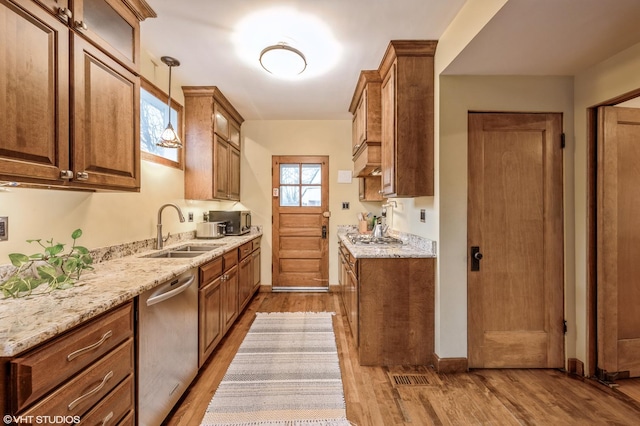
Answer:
(592, 222)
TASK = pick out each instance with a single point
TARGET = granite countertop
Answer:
(29, 321)
(412, 246)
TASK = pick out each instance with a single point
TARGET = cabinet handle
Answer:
(107, 418)
(86, 349)
(81, 26)
(66, 174)
(79, 399)
(82, 176)
(64, 14)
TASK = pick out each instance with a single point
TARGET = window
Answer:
(153, 120)
(300, 185)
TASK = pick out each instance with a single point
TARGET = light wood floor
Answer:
(496, 397)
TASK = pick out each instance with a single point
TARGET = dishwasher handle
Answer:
(184, 284)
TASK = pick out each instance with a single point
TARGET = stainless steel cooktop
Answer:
(367, 239)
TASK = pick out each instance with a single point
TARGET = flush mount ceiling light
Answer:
(169, 138)
(286, 32)
(283, 60)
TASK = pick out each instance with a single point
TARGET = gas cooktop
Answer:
(367, 239)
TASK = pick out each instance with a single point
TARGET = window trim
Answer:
(161, 95)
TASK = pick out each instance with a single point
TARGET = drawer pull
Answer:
(107, 418)
(79, 352)
(81, 398)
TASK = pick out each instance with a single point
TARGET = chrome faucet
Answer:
(159, 240)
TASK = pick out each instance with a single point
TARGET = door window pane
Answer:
(290, 174)
(290, 196)
(311, 196)
(311, 174)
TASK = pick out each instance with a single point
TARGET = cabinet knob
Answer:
(82, 176)
(66, 174)
(64, 14)
(81, 26)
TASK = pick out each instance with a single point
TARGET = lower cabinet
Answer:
(249, 271)
(79, 374)
(230, 289)
(209, 308)
(389, 303)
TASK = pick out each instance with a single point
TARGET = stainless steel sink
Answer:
(198, 247)
(175, 254)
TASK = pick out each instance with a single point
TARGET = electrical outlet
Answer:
(345, 205)
(423, 215)
(4, 228)
(190, 216)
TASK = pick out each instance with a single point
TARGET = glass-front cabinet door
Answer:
(111, 26)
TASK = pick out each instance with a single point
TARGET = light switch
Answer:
(4, 228)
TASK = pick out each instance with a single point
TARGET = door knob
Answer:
(475, 258)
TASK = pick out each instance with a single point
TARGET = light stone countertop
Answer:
(413, 246)
(29, 321)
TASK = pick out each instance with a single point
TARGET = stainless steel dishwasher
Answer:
(167, 345)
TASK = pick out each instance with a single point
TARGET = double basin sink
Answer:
(191, 250)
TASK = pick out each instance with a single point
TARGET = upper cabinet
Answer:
(407, 118)
(366, 128)
(70, 107)
(212, 145)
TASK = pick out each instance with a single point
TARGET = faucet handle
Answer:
(164, 240)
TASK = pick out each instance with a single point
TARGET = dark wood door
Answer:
(618, 244)
(515, 219)
(300, 222)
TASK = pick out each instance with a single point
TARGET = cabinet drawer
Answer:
(41, 370)
(113, 407)
(82, 392)
(210, 271)
(245, 249)
(230, 259)
(256, 243)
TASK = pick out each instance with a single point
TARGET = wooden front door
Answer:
(300, 223)
(515, 241)
(618, 244)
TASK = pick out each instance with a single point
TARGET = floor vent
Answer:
(409, 380)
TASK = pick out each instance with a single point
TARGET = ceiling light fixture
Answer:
(283, 60)
(169, 138)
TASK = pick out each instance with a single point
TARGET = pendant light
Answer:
(169, 138)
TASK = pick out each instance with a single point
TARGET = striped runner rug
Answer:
(286, 373)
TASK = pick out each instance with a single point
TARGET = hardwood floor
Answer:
(496, 397)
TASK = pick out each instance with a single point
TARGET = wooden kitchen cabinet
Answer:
(212, 145)
(366, 126)
(389, 304)
(407, 118)
(256, 263)
(369, 188)
(230, 289)
(39, 146)
(248, 272)
(210, 308)
(77, 371)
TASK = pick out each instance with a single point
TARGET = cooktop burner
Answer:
(366, 239)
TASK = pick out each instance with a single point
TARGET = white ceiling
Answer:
(527, 37)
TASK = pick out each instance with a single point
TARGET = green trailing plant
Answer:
(53, 267)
